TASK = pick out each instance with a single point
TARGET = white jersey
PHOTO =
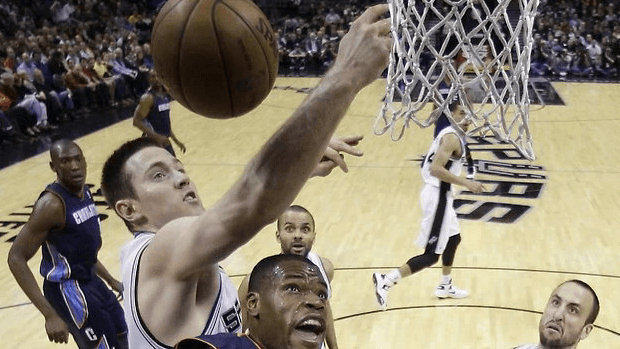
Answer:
(316, 260)
(528, 346)
(453, 165)
(225, 314)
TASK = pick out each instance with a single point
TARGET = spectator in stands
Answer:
(33, 100)
(148, 58)
(57, 67)
(332, 17)
(75, 80)
(121, 69)
(62, 12)
(11, 98)
(27, 65)
(10, 61)
(100, 90)
(102, 69)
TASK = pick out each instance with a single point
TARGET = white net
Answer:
(478, 50)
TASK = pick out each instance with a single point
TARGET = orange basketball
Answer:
(218, 58)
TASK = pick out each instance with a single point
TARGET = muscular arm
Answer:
(450, 146)
(48, 214)
(274, 177)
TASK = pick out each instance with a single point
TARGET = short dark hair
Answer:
(297, 208)
(115, 182)
(260, 277)
(58, 145)
(595, 303)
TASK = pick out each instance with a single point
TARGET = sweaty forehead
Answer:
(297, 270)
(59, 151)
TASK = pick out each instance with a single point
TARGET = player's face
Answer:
(562, 325)
(163, 189)
(296, 232)
(459, 116)
(295, 309)
(70, 167)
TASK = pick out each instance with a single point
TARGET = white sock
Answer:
(446, 279)
(394, 276)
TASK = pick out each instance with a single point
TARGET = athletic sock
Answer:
(446, 279)
(394, 276)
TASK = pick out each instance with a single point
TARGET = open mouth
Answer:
(555, 327)
(298, 247)
(311, 329)
(190, 197)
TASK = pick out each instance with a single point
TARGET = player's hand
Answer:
(347, 144)
(364, 51)
(339, 145)
(323, 168)
(182, 147)
(57, 330)
(333, 157)
(475, 187)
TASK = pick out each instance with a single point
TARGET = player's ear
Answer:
(278, 235)
(125, 208)
(585, 331)
(252, 301)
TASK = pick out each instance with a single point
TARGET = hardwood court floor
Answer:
(556, 220)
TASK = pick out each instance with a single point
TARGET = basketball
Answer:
(218, 58)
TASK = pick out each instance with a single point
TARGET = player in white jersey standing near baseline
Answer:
(296, 231)
(439, 234)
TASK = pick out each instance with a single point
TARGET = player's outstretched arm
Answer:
(274, 177)
(47, 214)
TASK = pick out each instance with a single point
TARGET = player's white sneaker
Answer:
(449, 291)
(382, 286)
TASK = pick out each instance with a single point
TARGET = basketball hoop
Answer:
(480, 48)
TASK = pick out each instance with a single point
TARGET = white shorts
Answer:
(447, 225)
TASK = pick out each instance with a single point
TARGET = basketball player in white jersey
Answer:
(440, 229)
(295, 231)
(175, 288)
(568, 318)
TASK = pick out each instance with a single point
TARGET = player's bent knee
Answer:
(422, 261)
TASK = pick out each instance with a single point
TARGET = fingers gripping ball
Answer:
(217, 58)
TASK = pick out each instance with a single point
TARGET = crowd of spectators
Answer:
(574, 39)
(59, 59)
(577, 39)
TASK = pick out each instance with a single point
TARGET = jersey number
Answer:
(232, 318)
